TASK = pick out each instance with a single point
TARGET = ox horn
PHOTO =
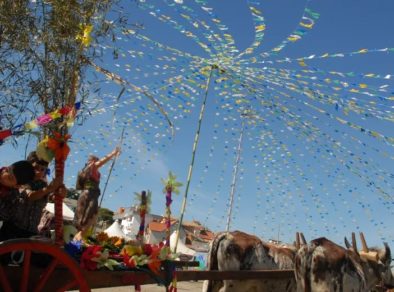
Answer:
(297, 242)
(303, 241)
(365, 252)
(354, 244)
(363, 243)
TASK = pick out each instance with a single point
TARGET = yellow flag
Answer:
(31, 125)
(302, 63)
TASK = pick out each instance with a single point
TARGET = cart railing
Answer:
(62, 271)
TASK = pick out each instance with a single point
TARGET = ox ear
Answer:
(386, 256)
(303, 241)
(347, 244)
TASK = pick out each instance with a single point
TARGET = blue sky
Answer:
(317, 160)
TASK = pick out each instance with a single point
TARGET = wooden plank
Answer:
(102, 279)
(106, 278)
(95, 279)
(186, 264)
(234, 275)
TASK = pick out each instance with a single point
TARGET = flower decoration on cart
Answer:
(114, 253)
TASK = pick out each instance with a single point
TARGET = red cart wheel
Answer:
(61, 272)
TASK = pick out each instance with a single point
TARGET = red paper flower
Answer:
(129, 261)
(116, 256)
(154, 263)
(88, 255)
(147, 249)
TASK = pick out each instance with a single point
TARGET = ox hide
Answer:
(325, 266)
(232, 251)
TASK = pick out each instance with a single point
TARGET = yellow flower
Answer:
(84, 36)
(131, 250)
(102, 237)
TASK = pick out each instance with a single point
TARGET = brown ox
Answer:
(233, 251)
(325, 266)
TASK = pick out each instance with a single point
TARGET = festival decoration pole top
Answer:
(170, 186)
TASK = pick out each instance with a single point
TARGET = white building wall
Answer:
(131, 224)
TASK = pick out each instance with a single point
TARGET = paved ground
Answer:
(182, 286)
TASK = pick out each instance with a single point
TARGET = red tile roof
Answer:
(193, 224)
(207, 235)
(160, 226)
(157, 226)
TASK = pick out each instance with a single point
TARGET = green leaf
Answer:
(171, 184)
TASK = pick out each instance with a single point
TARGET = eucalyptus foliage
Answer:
(44, 49)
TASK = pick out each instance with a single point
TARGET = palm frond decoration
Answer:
(138, 199)
(171, 184)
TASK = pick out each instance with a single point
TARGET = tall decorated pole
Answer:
(144, 199)
(142, 209)
(66, 90)
(170, 186)
(56, 147)
(247, 114)
(196, 138)
(58, 144)
(235, 176)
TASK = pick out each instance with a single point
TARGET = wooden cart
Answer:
(46, 267)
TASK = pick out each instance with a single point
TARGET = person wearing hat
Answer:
(18, 173)
(11, 177)
(31, 201)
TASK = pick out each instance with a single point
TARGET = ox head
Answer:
(385, 259)
(377, 259)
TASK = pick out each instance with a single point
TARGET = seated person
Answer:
(18, 173)
(30, 202)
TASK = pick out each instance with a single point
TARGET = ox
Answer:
(325, 266)
(233, 251)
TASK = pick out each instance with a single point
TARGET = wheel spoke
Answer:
(60, 262)
(26, 271)
(4, 281)
(45, 275)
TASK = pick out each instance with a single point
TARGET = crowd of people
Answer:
(25, 191)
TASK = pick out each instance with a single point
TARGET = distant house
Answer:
(194, 238)
(156, 230)
(130, 220)
(198, 237)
